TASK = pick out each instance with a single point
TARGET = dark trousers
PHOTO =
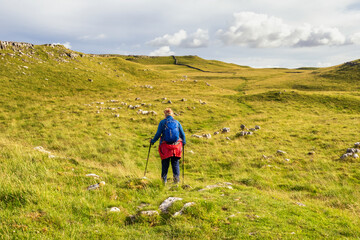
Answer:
(175, 168)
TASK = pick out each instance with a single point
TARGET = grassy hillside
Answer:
(65, 114)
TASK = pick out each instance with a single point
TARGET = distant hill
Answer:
(349, 72)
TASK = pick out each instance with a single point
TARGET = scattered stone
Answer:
(352, 150)
(183, 100)
(114, 101)
(249, 133)
(191, 151)
(165, 205)
(109, 134)
(41, 149)
(252, 129)
(207, 135)
(280, 152)
(225, 130)
(137, 99)
(227, 138)
(219, 185)
(117, 115)
(257, 127)
(346, 155)
(92, 175)
(197, 136)
(240, 134)
(286, 159)
(201, 102)
(242, 126)
(169, 102)
(90, 80)
(96, 186)
(186, 205)
(216, 133)
(357, 144)
(149, 213)
(311, 153)
(114, 209)
(208, 84)
(355, 156)
(300, 204)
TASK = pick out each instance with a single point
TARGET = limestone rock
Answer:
(114, 209)
(280, 152)
(165, 205)
(196, 136)
(225, 130)
(207, 135)
(186, 205)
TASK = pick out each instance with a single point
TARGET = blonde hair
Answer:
(168, 112)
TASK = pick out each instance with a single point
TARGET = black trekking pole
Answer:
(147, 160)
(183, 167)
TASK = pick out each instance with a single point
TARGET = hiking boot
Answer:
(176, 180)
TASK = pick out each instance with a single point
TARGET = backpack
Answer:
(171, 133)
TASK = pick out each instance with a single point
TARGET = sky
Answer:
(256, 33)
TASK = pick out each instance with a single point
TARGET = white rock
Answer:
(345, 155)
(280, 152)
(257, 127)
(207, 135)
(186, 205)
(225, 130)
(300, 204)
(197, 136)
(165, 205)
(355, 156)
(114, 209)
(219, 185)
(92, 175)
(357, 144)
(149, 213)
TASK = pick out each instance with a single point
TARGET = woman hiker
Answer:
(172, 138)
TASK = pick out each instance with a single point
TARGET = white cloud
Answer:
(355, 38)
(181, 39)
(162, 51)
(263, 31)
(93, 37)
(66, 44)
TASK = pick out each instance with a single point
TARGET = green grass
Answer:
(52, 104)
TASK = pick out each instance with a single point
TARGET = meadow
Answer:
(75, 107)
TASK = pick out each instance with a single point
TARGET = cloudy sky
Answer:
(257, 33)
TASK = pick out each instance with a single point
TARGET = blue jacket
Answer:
(161, 129)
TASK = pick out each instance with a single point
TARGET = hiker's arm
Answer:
(182, 134)
(158, 133)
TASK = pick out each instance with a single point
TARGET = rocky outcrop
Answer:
(15, 45)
